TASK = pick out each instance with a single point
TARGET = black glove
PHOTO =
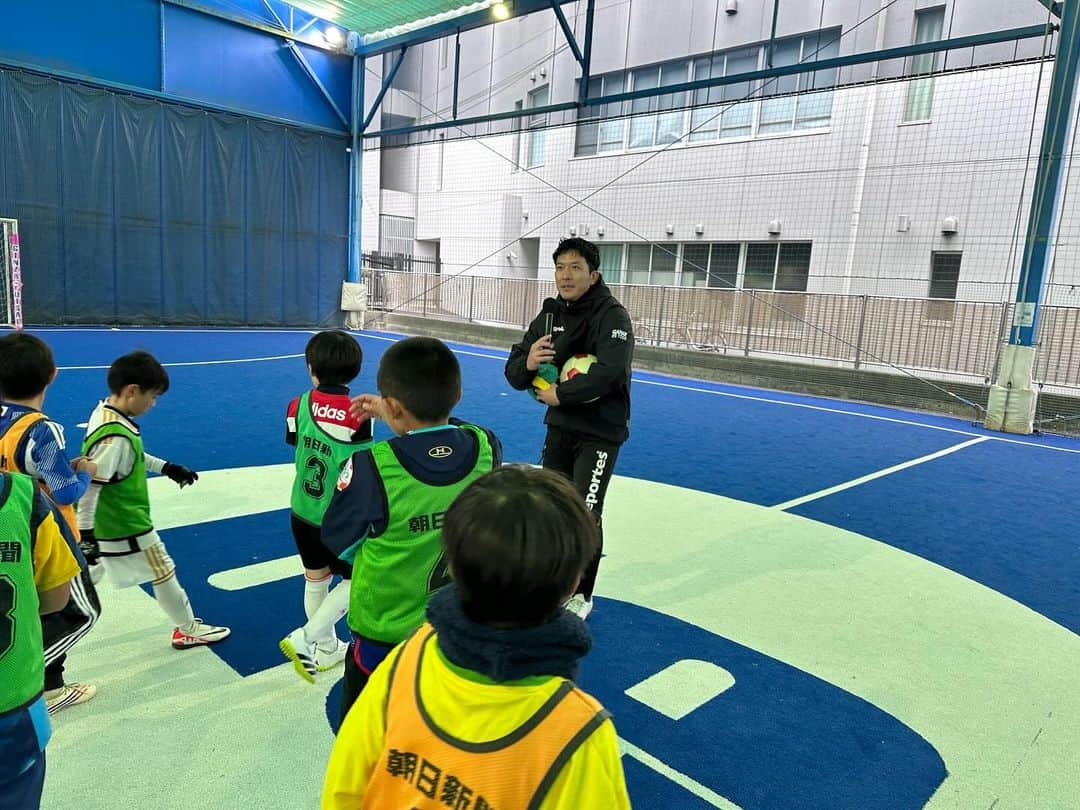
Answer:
(88, 544)
(180, 474)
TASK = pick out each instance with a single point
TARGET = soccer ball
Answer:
(578, 364)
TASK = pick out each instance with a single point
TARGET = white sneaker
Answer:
(326, 659)
(301, 652)
(70, 694)
(198, 634)
(579, 606)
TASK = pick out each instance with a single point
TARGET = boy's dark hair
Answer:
(423, 375)
(26, 365)
(589, 252)
(516, 542)
(334, 357)
(138, 368)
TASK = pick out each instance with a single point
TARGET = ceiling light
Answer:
(333, 36)
(501, 11)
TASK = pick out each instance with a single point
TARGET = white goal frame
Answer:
(10, 274)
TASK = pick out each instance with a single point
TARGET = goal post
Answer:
(10, 274)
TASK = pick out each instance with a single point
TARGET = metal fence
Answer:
(942, 338)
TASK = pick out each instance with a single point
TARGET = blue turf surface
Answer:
(1000, 513)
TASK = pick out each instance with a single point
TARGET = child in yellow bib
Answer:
(478, 708)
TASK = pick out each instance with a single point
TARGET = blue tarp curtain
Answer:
(134, 210)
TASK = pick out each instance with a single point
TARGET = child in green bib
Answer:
(114, 514)
(385, 517)
(318, 424)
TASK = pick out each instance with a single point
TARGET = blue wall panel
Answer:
(117, 41)
(134, 210)
(225, 64)
(335, 73)
(87, 211)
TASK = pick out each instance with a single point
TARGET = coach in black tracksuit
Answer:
(588, 417)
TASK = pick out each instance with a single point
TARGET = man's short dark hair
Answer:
(334, 357)
(517, 540)
(26, 365)
(423, 375)
(589, 252)
(138, 368)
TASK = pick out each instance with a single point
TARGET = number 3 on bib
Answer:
(315, 480)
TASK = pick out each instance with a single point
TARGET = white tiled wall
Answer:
(970, 161)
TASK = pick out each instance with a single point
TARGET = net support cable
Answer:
(756, 93)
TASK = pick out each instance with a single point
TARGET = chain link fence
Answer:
(938, 339)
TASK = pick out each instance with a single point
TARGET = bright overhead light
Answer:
(501, 11)
(333, 36)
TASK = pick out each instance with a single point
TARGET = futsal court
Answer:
(842, 560)
(832, 606)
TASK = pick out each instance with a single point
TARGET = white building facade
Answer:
(886, 185)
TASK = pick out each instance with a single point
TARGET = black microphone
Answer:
(549, 315)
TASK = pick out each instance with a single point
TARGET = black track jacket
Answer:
(594, 324)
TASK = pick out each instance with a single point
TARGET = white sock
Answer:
(320, 627)
(315, 591)
(174, 601)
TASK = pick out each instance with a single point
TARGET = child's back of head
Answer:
(423, 375)
(517, 542)
(334, 357)
(138, 368)
(26, 366)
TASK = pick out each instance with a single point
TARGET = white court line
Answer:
(198, 362)
(813, 496)
(456, 351)
(640, 381)
(680, 779)
(805, 405)
(261, 573)
(167, 330)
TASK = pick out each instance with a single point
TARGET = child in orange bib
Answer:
(478, 708)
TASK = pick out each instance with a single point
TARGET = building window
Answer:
(782, 267)
(929, 24)
(536, 124)
(611, 257)
(671, 126)
(714, 112)
(664, 259)
(713, 265)
(600, 127)
(396, 235)
(643, 127)
(944, 274)
(652, 264)
(779, 266)
(637, 263)
(806, 110)
(944, 278)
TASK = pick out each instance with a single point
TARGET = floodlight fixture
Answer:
(500, 11)
(334, 36)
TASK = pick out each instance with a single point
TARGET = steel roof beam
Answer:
(1054, 6)
(570, 40)
(900, 52)
(466, 22)
(387, 81)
